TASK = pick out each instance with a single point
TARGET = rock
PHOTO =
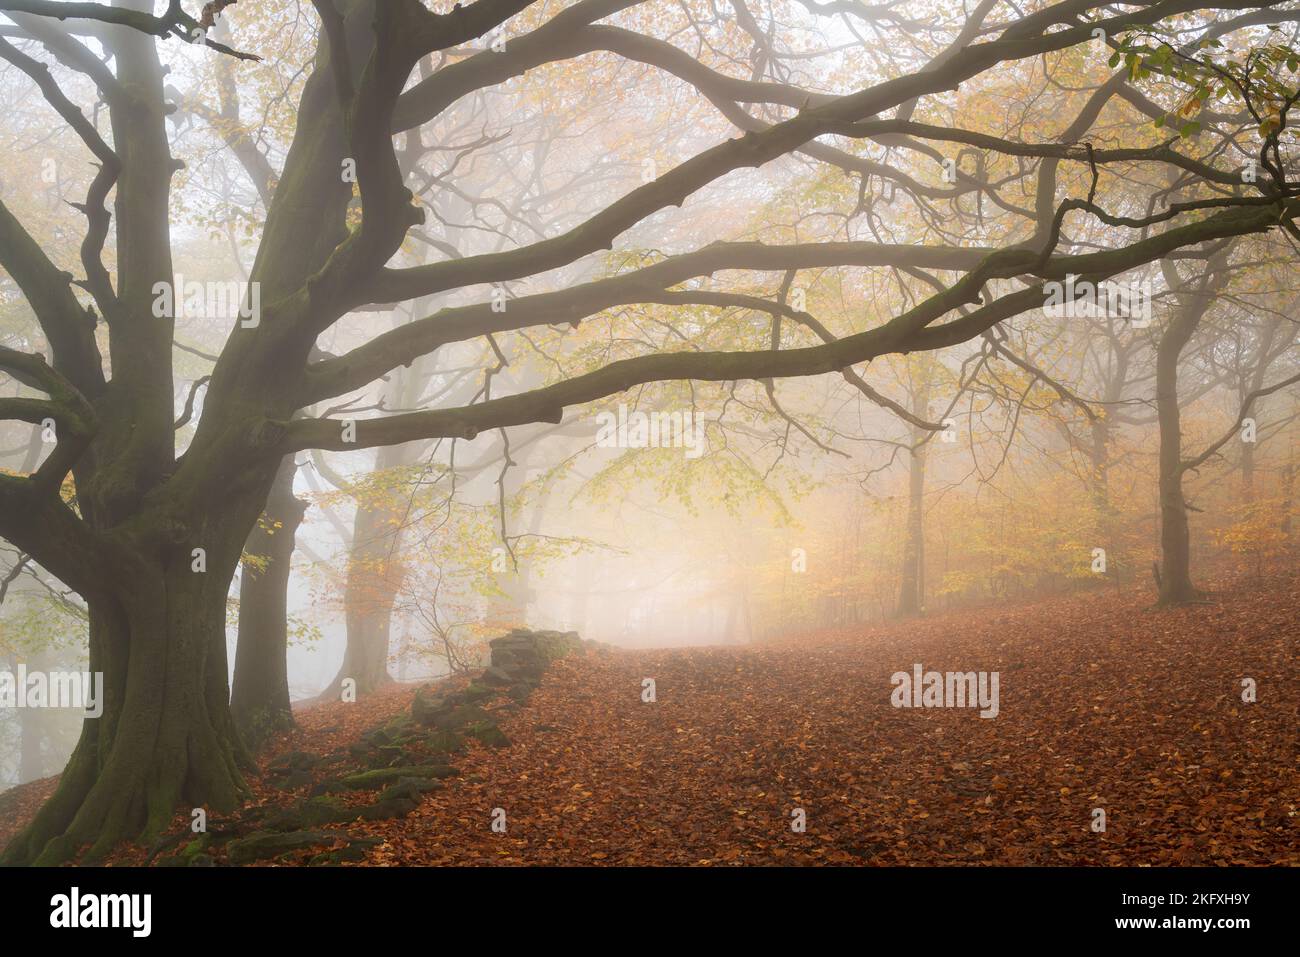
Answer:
(291, 770)
(313, 812)
(398, 800)
(488, 733)
(373, 780)
(477, 692)
(425, 709)
(388, 755)
(386, 810)
(263, 844)
(409, 788)
(351, 853)
(185, 859)
(355, 851)
(328, 786)
(497, 677)
(290, 781)
(443, 742)
(460, 717)
(518, 660)
(196, 846)
(527, 653)
(522, 690)
(294, 761)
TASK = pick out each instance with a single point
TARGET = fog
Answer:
(785, 344)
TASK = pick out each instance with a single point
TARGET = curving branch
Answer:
(175, 22)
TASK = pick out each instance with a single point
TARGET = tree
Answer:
(259, 693)
(911, 600)
(154, 538)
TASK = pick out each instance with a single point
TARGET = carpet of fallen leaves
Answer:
(1104, 702)
(19, 805)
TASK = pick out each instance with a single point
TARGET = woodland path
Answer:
(1103, 703)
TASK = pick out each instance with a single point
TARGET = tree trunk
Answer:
(1247, 472)
(1263, 358)
(375, 572)
(511, 608)
(1288, 495)
(157, 632)
(911, 596)
(374, 577)
(30, 765)
(259, 700)
(1175, 536)
(157, 636)
(910, 593)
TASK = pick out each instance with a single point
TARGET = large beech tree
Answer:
(126, 540)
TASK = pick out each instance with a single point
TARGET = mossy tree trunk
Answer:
(165, 738)
(155, 539)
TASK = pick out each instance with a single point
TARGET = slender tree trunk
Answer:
(375, 571)
(259, 698)
(911, 597)
(1263, 358)
(30, 760)
(910, 593)
(1288, 496)
(1100, 462)
(1248, 472)
(512, 610)
(1102, 515)
(1175, 535)
(374, 577)
(30, 763)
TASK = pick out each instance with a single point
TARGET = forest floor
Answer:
(1104, 703)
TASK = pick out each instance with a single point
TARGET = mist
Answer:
(614, 434)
